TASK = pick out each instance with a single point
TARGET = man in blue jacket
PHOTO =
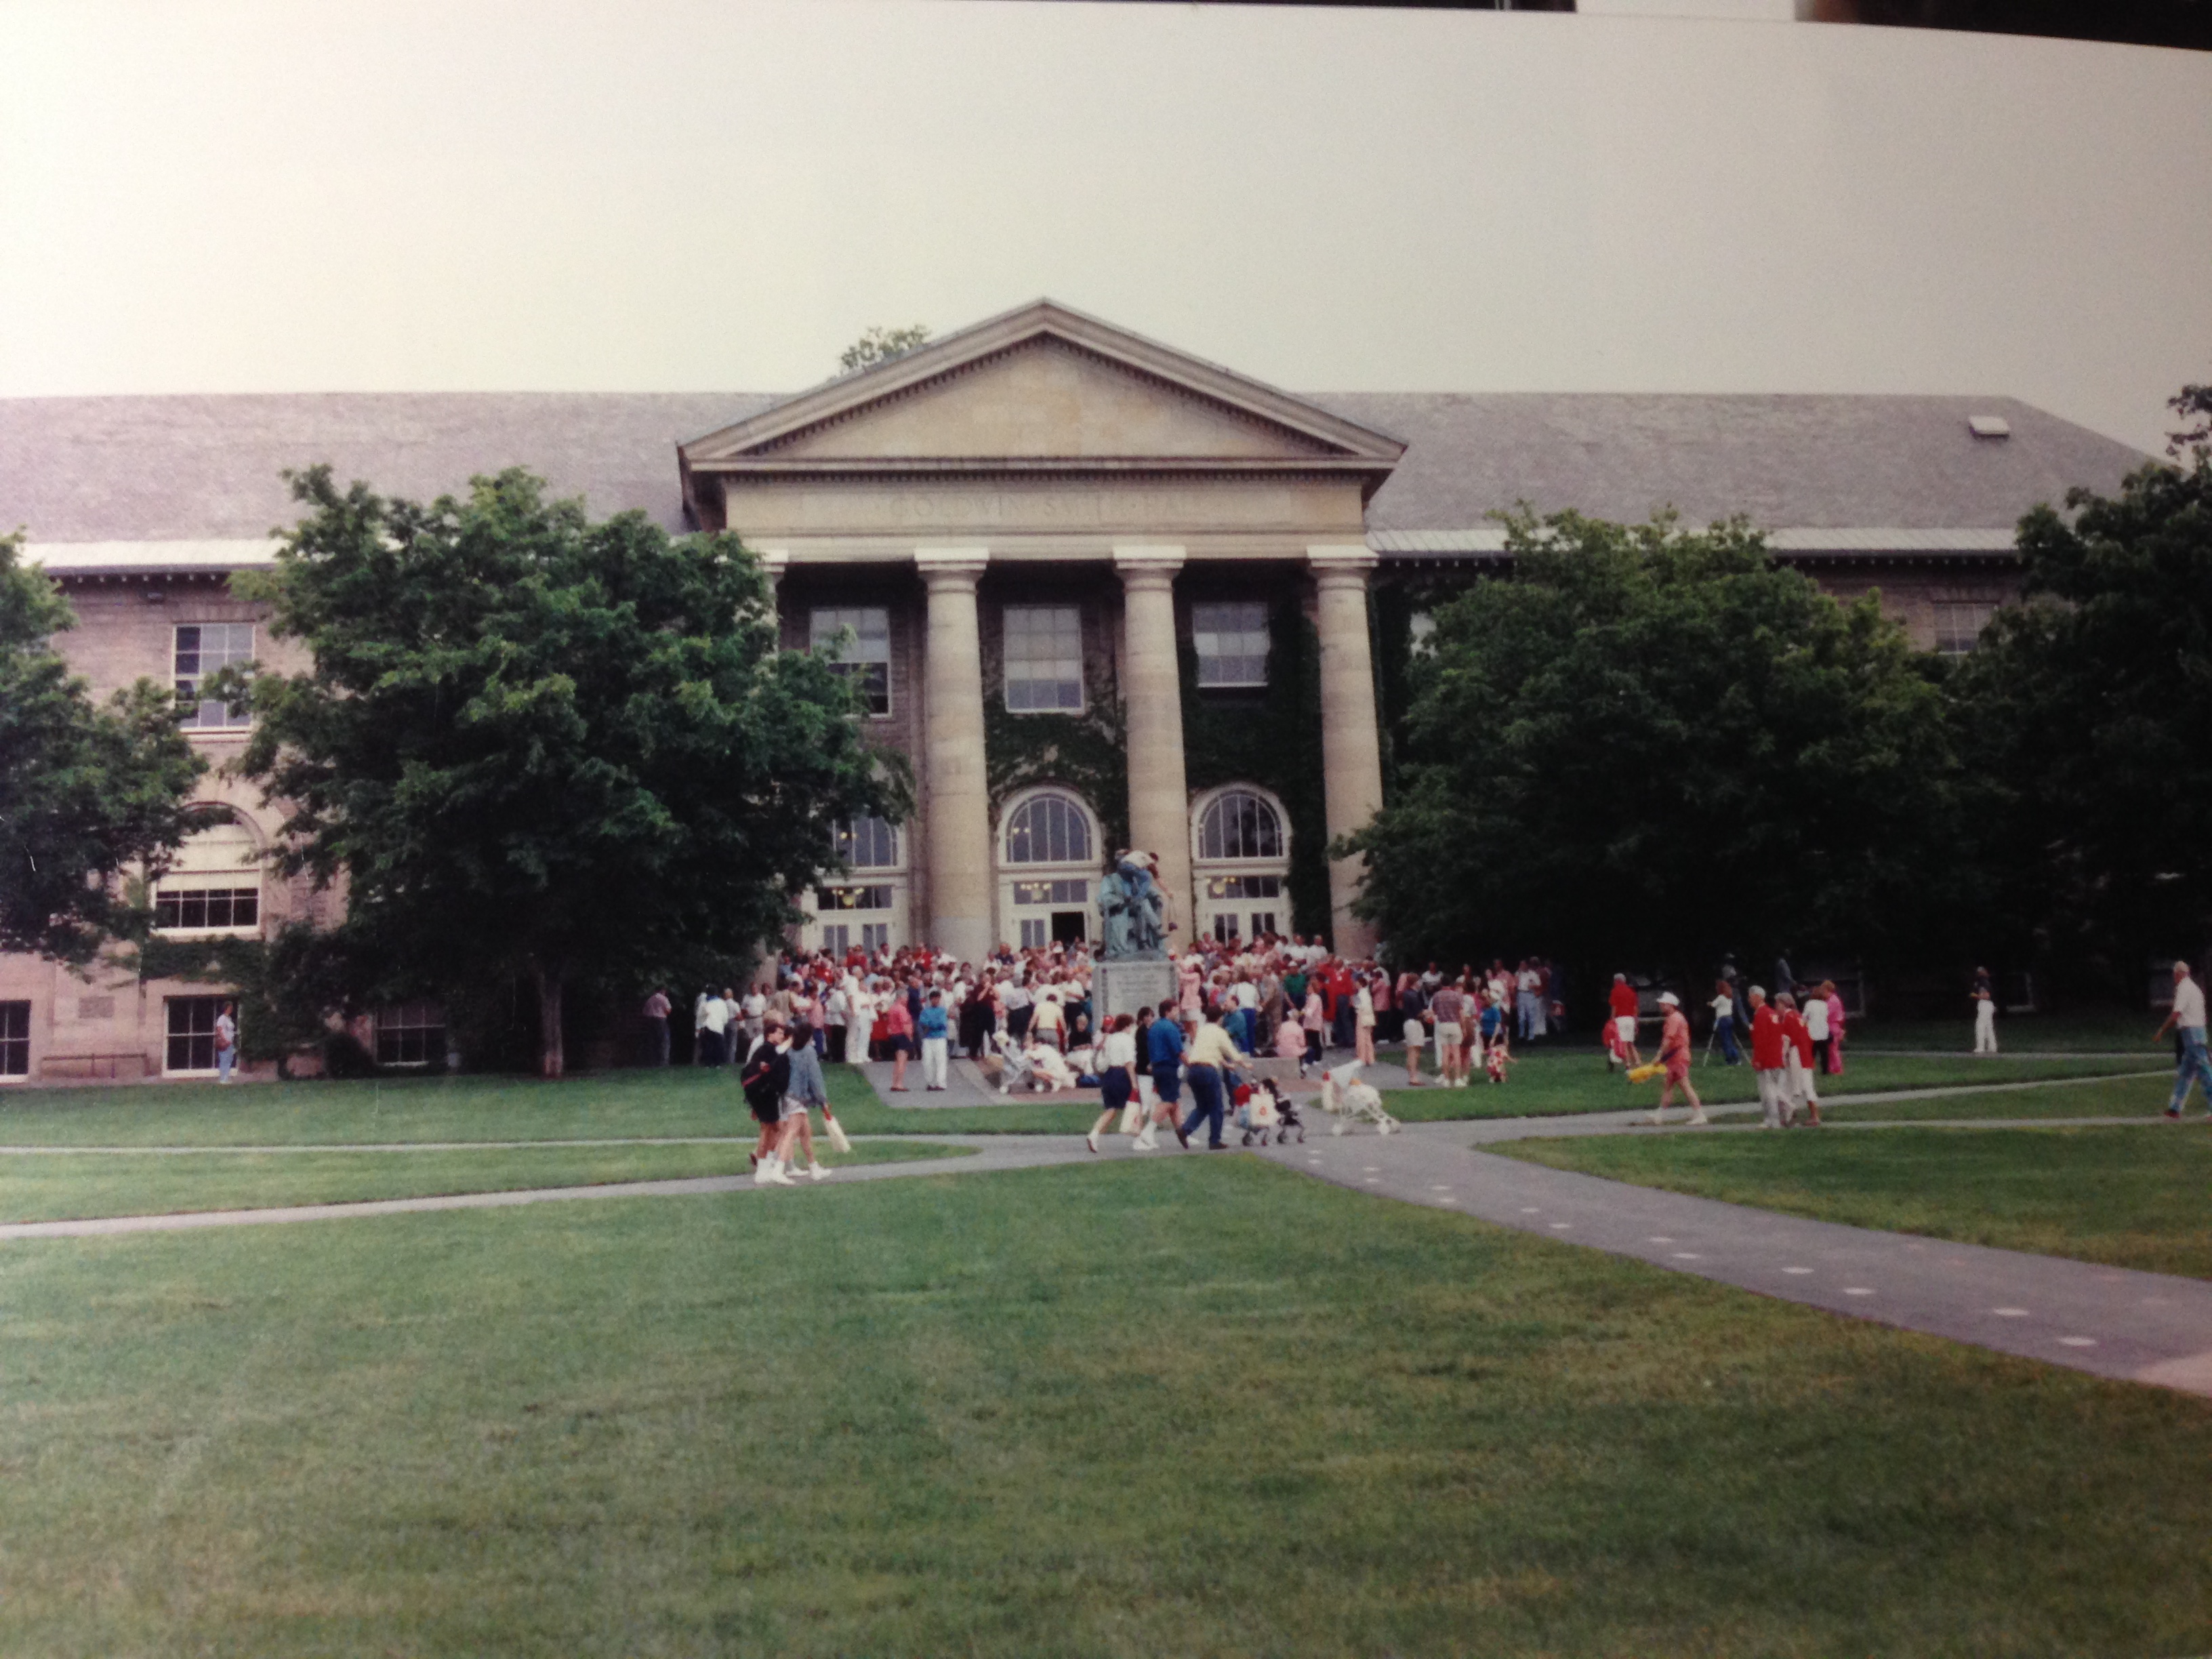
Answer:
(1165, 1043)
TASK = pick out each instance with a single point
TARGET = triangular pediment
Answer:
(1038, 385)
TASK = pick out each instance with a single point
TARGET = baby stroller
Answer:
(1262, 1112)
(1013, 1065)
(1350, 1101)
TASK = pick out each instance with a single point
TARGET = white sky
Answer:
(313, 195)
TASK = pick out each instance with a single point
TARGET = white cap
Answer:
(1669, 1000)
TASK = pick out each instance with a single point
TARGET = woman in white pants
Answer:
(1985, 1014)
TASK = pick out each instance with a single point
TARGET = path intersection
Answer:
(2112, 1322)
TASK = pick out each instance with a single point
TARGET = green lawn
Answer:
(2142, 1097)
(1547, 1084)
(680, 1100)
(685, 1102)
(2114, 1030)
(2132, 1197)
(1196, 1407)
(69, 1186)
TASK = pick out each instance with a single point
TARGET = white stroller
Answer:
(1349, 1101)
(1013, 1065)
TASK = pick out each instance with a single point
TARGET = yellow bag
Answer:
(1645, 1073)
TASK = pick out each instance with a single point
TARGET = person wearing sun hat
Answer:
(1675, 1055)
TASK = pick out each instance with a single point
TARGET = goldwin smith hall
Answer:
(1095, 588)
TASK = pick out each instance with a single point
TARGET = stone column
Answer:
(1350, 747)
(956, 807)
(1151, 692)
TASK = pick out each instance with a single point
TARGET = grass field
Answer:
(1549, 1084)
(1199, 1407)
(685, 1102)
(2113, 1030)
(2142, 1097)
(71, 1186)
(2131, 1197)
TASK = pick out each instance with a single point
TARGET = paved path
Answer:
(990, 1152)
(2148, 1327)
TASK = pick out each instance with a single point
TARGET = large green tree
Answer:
(2090, 706)
(532, 744)
(86, 790)
(1648, 745)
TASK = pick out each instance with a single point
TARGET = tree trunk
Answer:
(550, 1054)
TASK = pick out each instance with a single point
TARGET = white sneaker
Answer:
(818, 1170)
(1700, 1118)
(1145, 1143)
(771, 1174)
(1656, 1118)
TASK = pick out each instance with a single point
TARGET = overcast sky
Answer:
(655, 196)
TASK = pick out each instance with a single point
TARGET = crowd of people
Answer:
(1286, 996)
(1031, 1013)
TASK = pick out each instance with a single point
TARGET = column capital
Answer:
(950, 567)
(1147, 566)
(1345, 562)
(774, 561)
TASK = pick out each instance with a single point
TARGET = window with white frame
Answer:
(859, 639)
(1043, 657)
(201, 648)
(1231, 640)
(1959, 627)
(213, 885)
(15, 1039)
(411, 1034)
(853, 899)
(190, 1033)
(868, 844)
(1048, 830)
(1238, 824)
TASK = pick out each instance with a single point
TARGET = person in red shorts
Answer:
(1675, 1055)
(1623, 1005)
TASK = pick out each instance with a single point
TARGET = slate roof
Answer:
(207, 468)
(1802, 460)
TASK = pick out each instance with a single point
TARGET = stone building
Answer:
(1101, 593)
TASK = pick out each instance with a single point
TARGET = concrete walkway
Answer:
(989, 1152)
(2146, 1328)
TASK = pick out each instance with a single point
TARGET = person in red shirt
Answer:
(1797, 1062)
(1767, 1047)
(1675, 1055)
(1623, 1005)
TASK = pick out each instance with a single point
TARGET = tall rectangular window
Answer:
(864, 653)
(1959, 627)
(191, 1034)
(15, 1039)
(838, 940)
(1231, 637)
(875, 936)
(201, 649)
(1044, 657)
(412, 1034)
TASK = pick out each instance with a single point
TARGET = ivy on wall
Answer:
(1087, 752)
(1273, 738)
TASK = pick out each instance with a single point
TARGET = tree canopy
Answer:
(86, 791)
(1647, 745)
(880, 345)
(533, 745)
(2088, 708)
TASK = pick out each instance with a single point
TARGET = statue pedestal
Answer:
(1122, 987)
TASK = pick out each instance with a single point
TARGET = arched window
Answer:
(1240, 825)
(1048, 830)
(214, 882)
(868, 844)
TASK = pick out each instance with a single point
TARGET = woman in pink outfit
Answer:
(1835, 1027)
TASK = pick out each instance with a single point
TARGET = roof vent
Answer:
(1989, 426)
